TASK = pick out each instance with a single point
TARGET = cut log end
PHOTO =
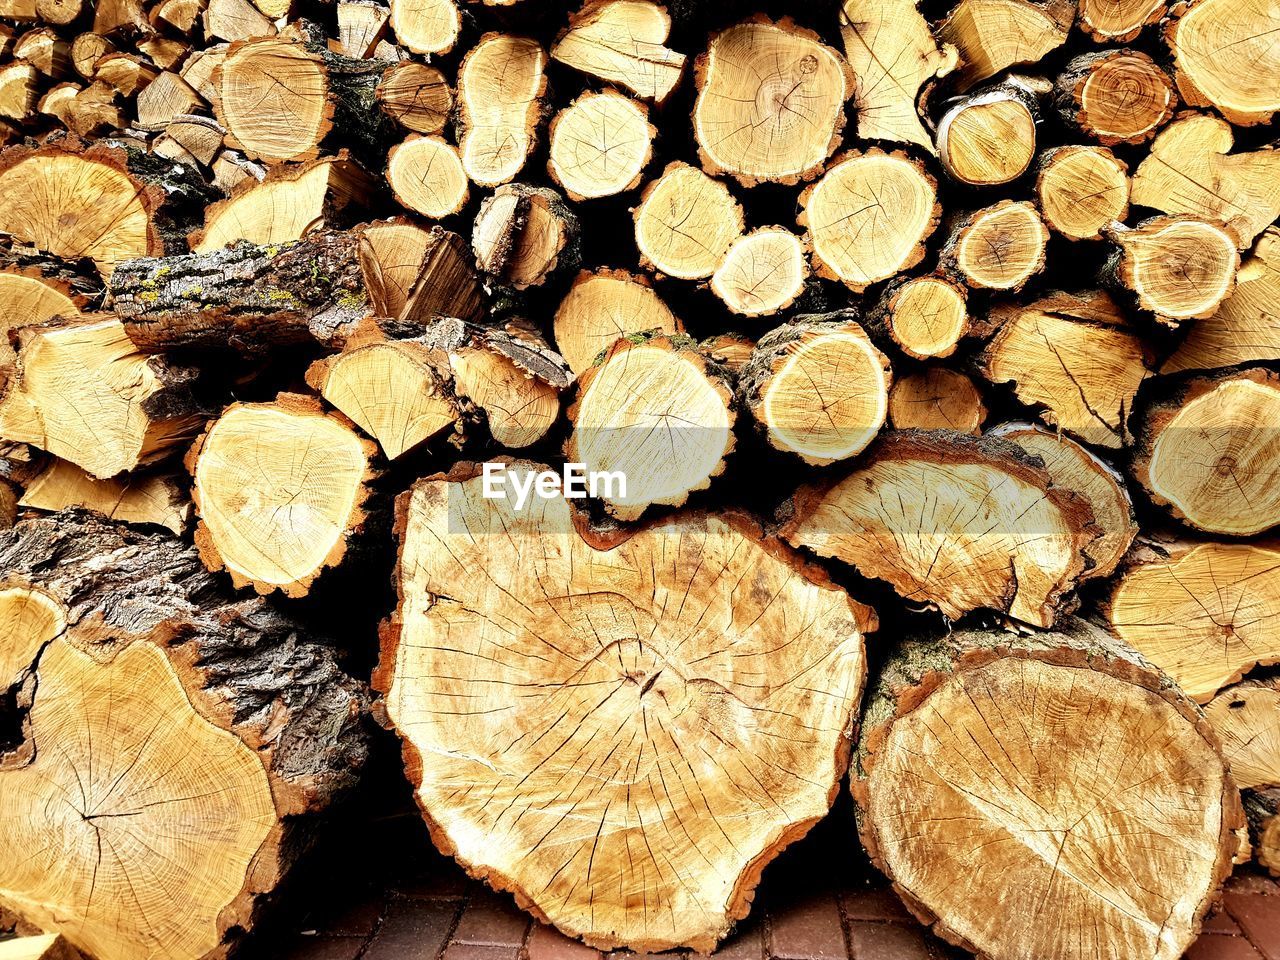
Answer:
(500, 86)
(415, 96)
(762, 273)
(1082, 191)
(524, 234)
(998, 248)
(623, 42)
(1118, 21)
(261, 82)
(686, 222)
(1226, 58)
(603, 307)
(427, 177)
(937, 398)
(987, 140)
(1246, 718)
(1179, 268)
(600, 145)
(925, 316)
(426, 26)
(1116, 96)
(771, 770)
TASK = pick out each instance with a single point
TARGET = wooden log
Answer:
(1205, 612)
(817, 388)
(234, 20)
(426, 176)
(1246, 328)
(126, 73)
(854, 238)
(165, 52)
(922, 316)
(1075, 356)
(148, 658)
(921, 513)
(280, 489)
(599, 146)
(415, 96)
(602, 307)
(730, 350)
(1081, 190)
(762, 273)
(202, 137)
(525, 234)
(360, 27)
(622, 42)
(501, 84)
(94, 111)
(1263, 810)
(86, 50)
(1115, 96)
(988, 137)
(167, 97)
(993, 35)
(967, 746)
(57, 102)
(936, 398)
(44, 50)
(49, 946)
(759, 741)
(1246, 718)
(654, 409)
(151, 499)
(1224, 58)
(19, 90)
(1074, 467)
(1192, 170)
(999, 247)
(81, 391)
(887, 83)
(685, 223)
(35, 287)
(425, 26)
(414, 275)
(1174, 268)
(1118, 21)
(770, 104)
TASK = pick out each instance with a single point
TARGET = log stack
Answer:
(926, 350)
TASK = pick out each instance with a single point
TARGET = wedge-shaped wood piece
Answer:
(1226, 57)
(280, 489)
(273, 98)
(1191, 169)
(501, 84)
(83, 392)
(936, 398)
(1246, 328)
(686, 222)
(770, 102)
(524, 761)
(153, 499)
(623, 42)
(600, 145)
(656, 410)
(992, 35)
(1206, 612)
(817, 388)
(603, 307)
(951, 521)
(415, 274)
(1074, 355)
(978, 781)
(1246, 718)
(198, 736)
(1081, 191)
(894, 58)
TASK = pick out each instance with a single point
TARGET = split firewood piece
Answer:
(1246, 718)
(57, 102)
(425, 26)
(936, 398)
(220, 733)
(19, 90)
(78, 202)
(1115, 96)
(686, 222)
(280, 489)
(1246, 328)
(167, 97)
(35, 288)
(182, 15)
(501, 84)
(1262, 808)
(623, 42)
(967, 744)
(523, 234)
(1205, 451)
(286, 205)
(1191, 169)
(999, 247)
(1081, 191)
(235, 20)
(426, 176)
(513, 378)
(923, 316)
(602, 307)
(86, 50)
(1207, 613)
(415, 275)
(415, 96)
(199, 69)
(953, 522)
(707, 677)
(817, 388)
(770, 102)
(600, 145)
(9, 494)
(1074, 467)
(391, 389)
(139, 498)
(733, 351)
(202, 137)
(894, 56)
(126, 73)
(273, 98)
(59, 12)
(164, 52)
(657, 411)
(1176, 268)
(20, 463)
(1074, 355)
(244, 296)
(94, 111)
(360, 27)
(763, 272)
(992, 35)
(82, 392)
(869, 216)
(989, 136)
(1118, 21)
(49, 946)
(1225, 57)
(44, 50)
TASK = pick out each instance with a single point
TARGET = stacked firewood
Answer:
(920, 367)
